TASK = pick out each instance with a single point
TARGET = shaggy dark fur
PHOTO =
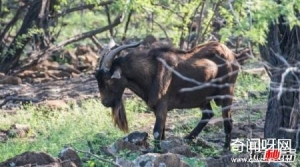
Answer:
(148, 78)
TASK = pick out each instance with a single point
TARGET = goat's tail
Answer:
(243, 56)
(119, 116)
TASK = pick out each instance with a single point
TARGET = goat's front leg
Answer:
(159, 127)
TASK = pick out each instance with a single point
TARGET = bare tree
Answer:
(40, 14)
(282, 55)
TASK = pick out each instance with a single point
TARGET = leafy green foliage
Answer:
(250, 19)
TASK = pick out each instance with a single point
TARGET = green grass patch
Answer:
(136, 105)
(207, 152)
(194, 162)
(53, 129)
(249, 83)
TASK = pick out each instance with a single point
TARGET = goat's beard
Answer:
(119, 116)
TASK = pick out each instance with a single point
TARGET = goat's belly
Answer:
(188, 101)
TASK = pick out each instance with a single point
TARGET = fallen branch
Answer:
(78, 37)
(98, 157)
(73, 39)
(96, 42)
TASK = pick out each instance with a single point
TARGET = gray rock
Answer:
(176, 145)
(124, 162)
(135, 142)
(69, 157)
(137, 138)
(31, 158)
(159, 160)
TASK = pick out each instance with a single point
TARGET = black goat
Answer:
(145, 73)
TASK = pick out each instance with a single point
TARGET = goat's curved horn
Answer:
(108, 59)
(110, 45)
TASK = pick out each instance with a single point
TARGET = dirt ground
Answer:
(56, 93)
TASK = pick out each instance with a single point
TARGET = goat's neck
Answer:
(139, 71)
(137, 90)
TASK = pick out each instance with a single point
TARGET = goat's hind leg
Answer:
(207, 114)
(226, 114)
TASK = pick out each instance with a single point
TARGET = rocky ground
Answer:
(54, 85)
(57, 93)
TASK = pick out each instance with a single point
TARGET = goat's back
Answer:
(211, 50)
(210, 64)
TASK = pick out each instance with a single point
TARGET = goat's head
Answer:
(111, 83)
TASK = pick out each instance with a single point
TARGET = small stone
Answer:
(18, 130)
(3, 137)
(54, 104)
(68, 154)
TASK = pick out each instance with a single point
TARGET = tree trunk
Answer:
(0, 6)
(281, 53)
(37, 14)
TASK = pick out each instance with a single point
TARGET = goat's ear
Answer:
(117, 74)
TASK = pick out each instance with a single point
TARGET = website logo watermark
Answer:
(265, 150)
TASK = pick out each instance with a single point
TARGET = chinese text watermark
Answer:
(265, 150)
